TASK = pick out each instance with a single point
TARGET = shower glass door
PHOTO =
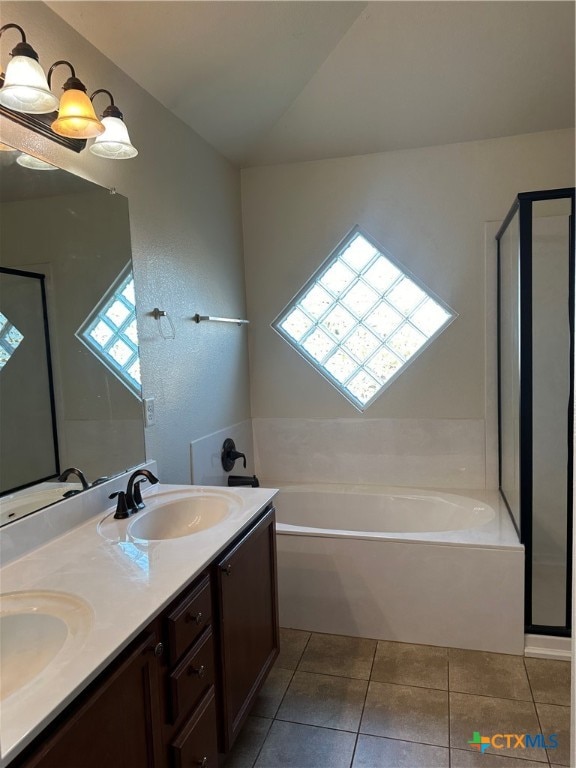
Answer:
(551, 409)
(536, 395)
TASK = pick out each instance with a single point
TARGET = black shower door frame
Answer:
(523, 206)
(51, 393)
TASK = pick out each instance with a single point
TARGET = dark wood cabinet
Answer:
(179, 694)
(116, 723)
(247, 605)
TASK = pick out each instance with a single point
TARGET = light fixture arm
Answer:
(111, 110)
(72, 82)
(23, 48)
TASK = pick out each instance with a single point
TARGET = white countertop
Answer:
(123, 585)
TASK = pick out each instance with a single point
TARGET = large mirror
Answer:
(70, 391)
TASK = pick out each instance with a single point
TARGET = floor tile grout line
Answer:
(263, 742)
(535, 707)
(418, 687)
(364, 704)
(273, 719)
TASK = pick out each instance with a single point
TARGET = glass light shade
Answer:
(26, 88)
(114, 143)
(76, 117)
(27, 161)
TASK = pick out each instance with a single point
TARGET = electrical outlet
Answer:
(149, 416)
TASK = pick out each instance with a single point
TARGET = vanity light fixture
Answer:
(76, 117)
(34, 163)
(26, 99)
(115, 142)
(25, 87)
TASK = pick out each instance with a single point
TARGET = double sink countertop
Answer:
(105, 585)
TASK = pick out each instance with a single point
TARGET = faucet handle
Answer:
(121, 506)
(230, 454)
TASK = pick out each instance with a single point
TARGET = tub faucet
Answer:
(79, 474)
(133, 494)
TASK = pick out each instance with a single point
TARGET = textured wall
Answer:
(427, 207)
(186, 244)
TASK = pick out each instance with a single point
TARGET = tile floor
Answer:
(344, 702)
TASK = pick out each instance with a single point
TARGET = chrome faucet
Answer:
(79, 474)
(133, 494)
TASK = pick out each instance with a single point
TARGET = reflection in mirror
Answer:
(73, 237)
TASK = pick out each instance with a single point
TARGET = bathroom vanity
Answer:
(178, 691)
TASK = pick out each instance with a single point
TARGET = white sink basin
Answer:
(174, 514)
(19, 504)
(35, 628)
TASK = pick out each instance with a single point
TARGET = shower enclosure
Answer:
(536, 396)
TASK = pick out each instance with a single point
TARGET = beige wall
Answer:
(427, 208)
(186, 244)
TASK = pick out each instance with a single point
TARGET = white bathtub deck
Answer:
(462, 589)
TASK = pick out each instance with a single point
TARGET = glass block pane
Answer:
(359, 253)
(406, 341)
(339, 322)
(405, 295)
(117, 313)
(318, 344)
(384, 319)
(102, 333)
(363, 387)
(429, 317)
(120, 352)
(316, 302)
(134, 371)
(296, 324)
(384, 365)
(4, 357)
(13, 337)
(360, 298)
(129, 294)
(382, 274)
(361, 320)
(341, 365)
(337, 278)
(361, 343)
(3, 321)
(131, 332)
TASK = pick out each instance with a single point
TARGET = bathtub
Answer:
(403, 564)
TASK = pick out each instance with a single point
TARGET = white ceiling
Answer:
(267, 82)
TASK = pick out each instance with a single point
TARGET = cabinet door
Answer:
(117, 723)
(248, 622)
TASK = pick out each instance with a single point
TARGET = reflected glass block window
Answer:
(361, 319)
(110, 332)
(10, 339)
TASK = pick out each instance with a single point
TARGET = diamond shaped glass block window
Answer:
(362, 318)
(111, 334)
(10, 339)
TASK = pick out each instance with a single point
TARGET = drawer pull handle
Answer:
(203, 763)
(158, 650)
(198, 618)
(227, 569)
(201, 671)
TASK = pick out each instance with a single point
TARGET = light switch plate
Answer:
(149, 415)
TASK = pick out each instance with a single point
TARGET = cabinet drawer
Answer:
(188, 619)
(193, 675)
(196, 746)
